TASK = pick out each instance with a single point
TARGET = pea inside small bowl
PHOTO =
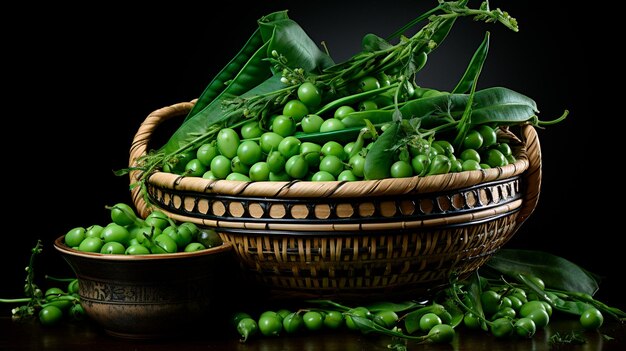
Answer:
(150, 296)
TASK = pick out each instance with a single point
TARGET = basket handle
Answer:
(532, 176)
(139, 147)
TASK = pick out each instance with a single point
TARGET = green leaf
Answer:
(492, 105)
(556, 272)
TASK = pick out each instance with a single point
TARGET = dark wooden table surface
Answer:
(88, 337)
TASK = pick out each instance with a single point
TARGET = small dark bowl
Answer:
(150, 296)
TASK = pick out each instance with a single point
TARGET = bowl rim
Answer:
(60, 246)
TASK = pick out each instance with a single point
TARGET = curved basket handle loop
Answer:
(140, 143)
(532, 176)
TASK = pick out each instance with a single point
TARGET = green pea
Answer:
(495, 158)
(227, 142)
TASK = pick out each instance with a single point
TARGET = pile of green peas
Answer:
(128, 234)
(253, 152)
(515, 311)
(507, 312)
(51, 306)
(60, 304)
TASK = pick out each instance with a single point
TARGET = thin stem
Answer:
(20, 300)
(554, 121)
(420, 18)
(68, 280)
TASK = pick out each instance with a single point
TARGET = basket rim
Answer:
(527, 153)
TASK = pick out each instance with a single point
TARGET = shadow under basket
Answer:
(350, 240)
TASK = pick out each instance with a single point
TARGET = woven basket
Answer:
(353, 239)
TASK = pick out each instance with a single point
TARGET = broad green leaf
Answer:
(491, 105)
(556, 272)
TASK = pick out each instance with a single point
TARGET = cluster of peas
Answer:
(51, 306)
(512, 311)
(59, 304)
(130, 235)
(508, 312)
(250, 153)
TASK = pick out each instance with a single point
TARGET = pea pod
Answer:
(412, 319)
(372, 42)
(353, 98)
(358, 118)
(473, 69)
(455, 312)
(367, 326)
(228, 73)
(572, 307)
(380, 157)
(289, 39)
(420, 60)
(474, 293)
(342, 135)
(442, 30)
(279, 33)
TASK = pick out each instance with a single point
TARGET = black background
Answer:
(79, 81)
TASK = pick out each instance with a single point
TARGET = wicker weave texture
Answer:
(341, 239)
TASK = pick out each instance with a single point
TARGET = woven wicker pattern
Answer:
(361, 264)
(347, 239)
